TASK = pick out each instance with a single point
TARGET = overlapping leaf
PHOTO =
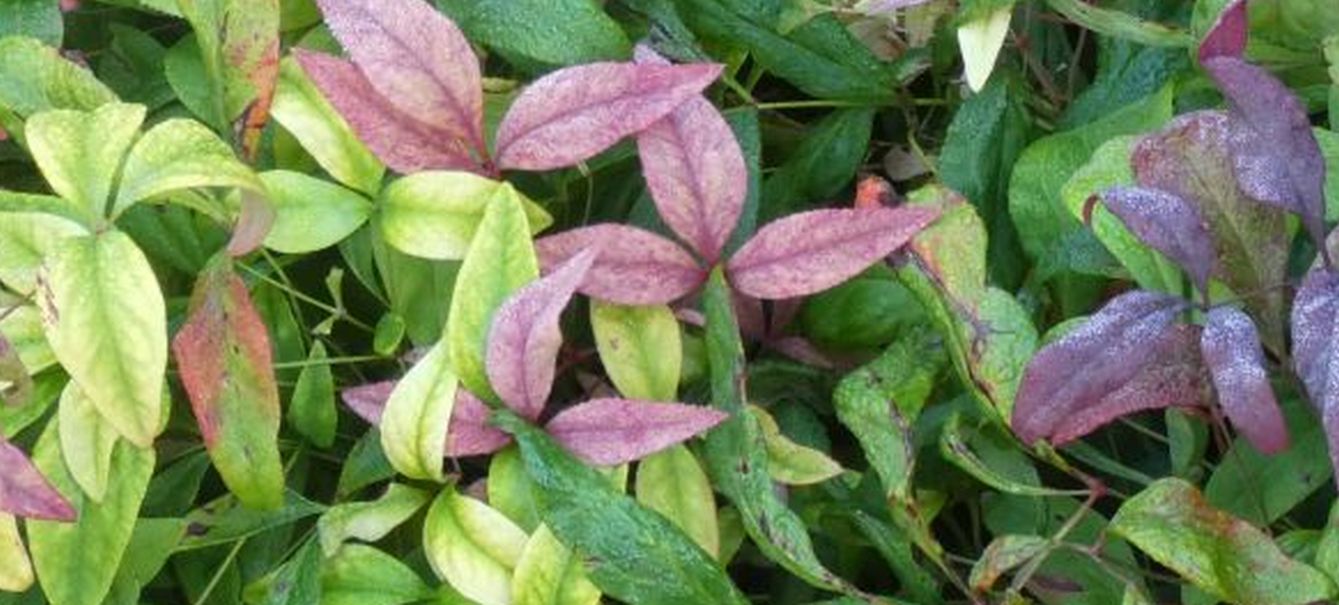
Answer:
(1231, 348)
(1315, 321)
(606, 432)
(24, 492)
(636, 267)
(1169, 224)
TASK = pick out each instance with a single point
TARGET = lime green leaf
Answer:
(301, 109)
(86, 441)
(388, 335)
(473, 547)
(179, 154)
(16, 571)
(510, 489)
(1223, 555)
(362, 575)
(107, 324)
(789, 462)
(640, 349)
(980, 41)
(77, 562)
(311, 214)
(414, 425)
(500, 260)
(25, 240)
(673, 484)
(79, 152)
(312, 409)
(434, 214)
(369, 521)
(37, 18)
(549, 573)
(34, 77)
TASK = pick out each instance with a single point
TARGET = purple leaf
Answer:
(577, 112)
(1093, 374)
(1315, 329)
(812, 251)
(1169, 224)
(524, 340)
(1231, 349)
(368, 401)
(24, 492)
(1227, 37)
(416, 59)
(636, 267)
(470, 434)
(879, 7)
(403, 143)
(695, 171)
(606, 432)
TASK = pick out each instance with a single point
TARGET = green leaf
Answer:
(1223, 555)
(473, 547)
(26, 238)
(971, 450)
(179, 154)
(227, 520)
(1262, 488)
(79, 152)
(592, 517)
(1003, 554)
(311, 214)
(132, 65)
(77, 562)
(86, 441)
(673, 484)
(37, 18)
(16, 571)
(362, 575)
(107, 324)
(151, 544)
(640, 349)
(549, 573)
(34, 77)
(369, 521)
(312, 410)
(365, 464)
(548, 32)
(791, 463)
(822, 165)
(300, 108)
(419, 290)
(510, 489)
(500, 260)
(435, 214)
(388, 335)
(298, 582)
(414, 425)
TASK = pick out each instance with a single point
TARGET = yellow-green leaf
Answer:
(86, 441)
(435, 214)
(789, 462)
(673, 484)
(79, 152)
(369, 521)
(640, 348)
(473, 547)
(301, 109)
(414, 425)
(311, 214)
(16, 571)
(25, 239)
(34, 77)
(179, 154)
(548, 573)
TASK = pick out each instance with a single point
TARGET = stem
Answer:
(329, 361)
(1031, 567)
(807, 104)
(218, 575)
(340, 313)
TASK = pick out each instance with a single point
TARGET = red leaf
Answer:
(251, 46)
(577, 112)
(402, 142)
(812, 251)
(606, 432)
(417, 60)
(470, 434)
(24, 492)
(1169, 224)
(1231, 348)
(635, 267)
(1227, 37)
(525, 337)
(695, 171)
(254, 223)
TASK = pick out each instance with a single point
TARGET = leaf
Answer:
(822, 166)
(416, 59)
(1229, 558)
(607, 432)
(575, 113)
(226, 520)
(402, 142)
(36, 77)
(1169, 224)
(311, 410)
(695, 171)
(16, 571)
(368, 401)
(26, 238)
(224, 358)
(1261, 488)
(636, 267)
(1003, 554)
(107, 324)
(550, 32)
(637, 347)
(1231, 349)
(473, 547)
(86, 442)
(813, 251)
(363, 575)
(983, 453)
(16, 385)
(36, 18)
(500, 261)
(1127, 357)
(80, 152)
(510, 489)
(586, 513)
(24, 492)
(311, 214)
(255, 216)
(1315, 357)
(179, 154)
(299, 580)
(302, 111)
(435, 214)
(549, 573)
(414, 425)
(791, 463)
(672, 483)
(470, 433)
(369, 521)
(23, 330)
(77, 562)
(980, 40)
(524, 340)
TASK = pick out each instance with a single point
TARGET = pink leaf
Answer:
(1231, 348)
(524, 340)
(695, 171)
(1227, 37)
(812, 251)
(470, 434)
(417, 60)
(403, 143)
(606, 432)
(368, 401)
(636, 267)
(24, 492)
(577, 112)
(254, 223)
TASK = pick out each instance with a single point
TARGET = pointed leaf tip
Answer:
(1231, 348)
(24, 492)
(1227, 37)
(470, 433)
(635, 267)
(1169, 224)
(606, 432)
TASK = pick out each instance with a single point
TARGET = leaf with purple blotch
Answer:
(416, 59)
(812, 251)
(575, 113)
(401, 142)
(1231, 349)
(524, 340)
(24, 492)
(694, 170)
(1227, 37)
(1061, 396)
(1315, 331)
(636, 267)
(470, 433)
(606, 432)
(1169, 224)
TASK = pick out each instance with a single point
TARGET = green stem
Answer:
(340, 313)
(329, 361)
